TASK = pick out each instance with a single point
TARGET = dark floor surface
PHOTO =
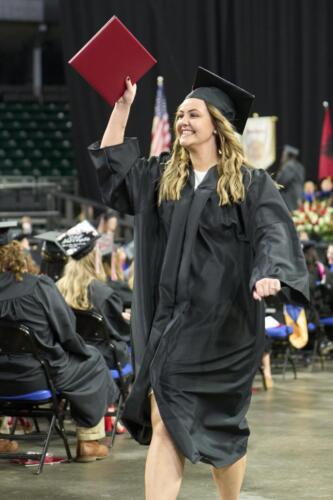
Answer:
(290, 455)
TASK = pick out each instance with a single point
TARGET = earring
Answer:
(215, 132)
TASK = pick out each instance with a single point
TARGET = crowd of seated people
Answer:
(324, 192)
(320, 306)
(28, 294)
(79, 371)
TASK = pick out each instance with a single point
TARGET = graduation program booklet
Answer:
(111, 55)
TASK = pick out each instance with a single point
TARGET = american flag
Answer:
(160, 133)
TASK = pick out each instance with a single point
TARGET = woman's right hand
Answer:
(115, 130)
(129, 95)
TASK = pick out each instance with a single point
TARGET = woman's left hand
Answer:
(266, 287)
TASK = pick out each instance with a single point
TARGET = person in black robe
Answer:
(291, 175)
(84, 287)
(207, 251)
(78, 370)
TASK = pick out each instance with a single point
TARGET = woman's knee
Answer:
(158, 426)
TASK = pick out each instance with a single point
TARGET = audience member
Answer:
(83, 286)
(53, 257)
(291, 176)
(309, 193)
(326, 190)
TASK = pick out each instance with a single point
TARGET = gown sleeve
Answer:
(276, 247)
(60, 317)
(128, 182)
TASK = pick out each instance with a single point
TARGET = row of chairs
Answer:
(17, 338)
(37, 143)
(282, 348)
(6, 134)
(33, 106)
(14, 114)
(34, 125)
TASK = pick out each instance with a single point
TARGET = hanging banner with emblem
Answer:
(259, 141)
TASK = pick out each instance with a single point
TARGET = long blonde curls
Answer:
(77, 277)
(12, 259)
(230, 186)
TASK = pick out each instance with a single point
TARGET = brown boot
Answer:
(90, 451)
(7, 446)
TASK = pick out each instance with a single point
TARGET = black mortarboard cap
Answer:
(307, 244)
(233, 102)
(290, 150)
(79, 240)
(50, 245)
(6, 231)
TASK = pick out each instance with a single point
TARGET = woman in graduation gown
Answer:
(83, 286)
(78, 370)
(207, 252)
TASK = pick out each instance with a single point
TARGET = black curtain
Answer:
(280, 50)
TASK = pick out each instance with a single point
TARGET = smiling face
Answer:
(194, 125)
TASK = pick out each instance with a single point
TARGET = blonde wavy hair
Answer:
(78, 275)
(230, 185)
(12, 259)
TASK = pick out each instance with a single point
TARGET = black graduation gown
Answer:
(107, 302)
(78, 370)
(291, 177)
(198, 333)
(123, 290)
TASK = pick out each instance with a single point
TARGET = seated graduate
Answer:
(111, 260)
(53, 258)
(83, 286)
(79, 371)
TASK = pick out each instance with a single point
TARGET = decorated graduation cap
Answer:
(7, 231)
(233, 102)
(79, 240)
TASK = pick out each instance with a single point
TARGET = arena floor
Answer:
(289, 456)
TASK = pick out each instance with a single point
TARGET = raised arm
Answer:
(128, 182)
(115, 130)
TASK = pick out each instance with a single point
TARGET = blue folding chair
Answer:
(281, 347)
(17, 339)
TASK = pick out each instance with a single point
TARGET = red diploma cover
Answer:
(111, 55)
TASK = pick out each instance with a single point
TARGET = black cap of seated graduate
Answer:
(233, 102)
(79, 240)
(51, 247)
(7, 231)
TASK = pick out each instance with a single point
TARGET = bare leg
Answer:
(266, 366)
(229, 479)
(164, 464)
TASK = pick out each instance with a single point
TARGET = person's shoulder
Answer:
(253, 176)
(97, 286)
(43, 281)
